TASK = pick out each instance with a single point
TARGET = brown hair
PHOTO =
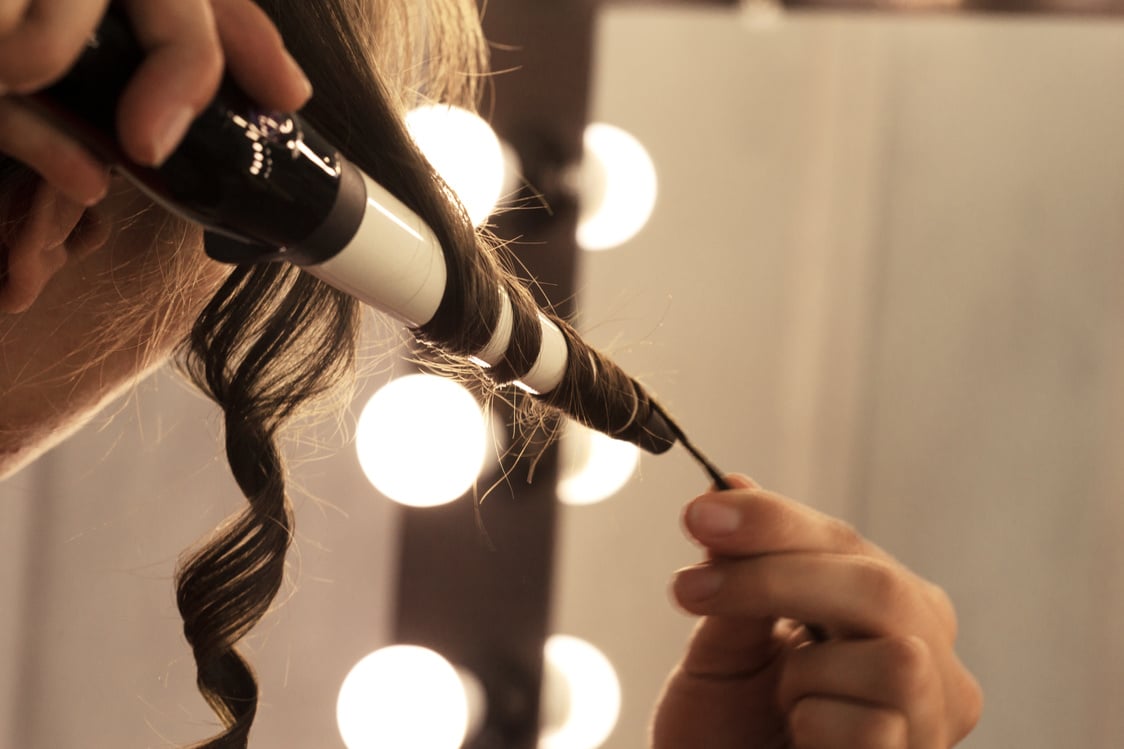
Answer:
(273, 339)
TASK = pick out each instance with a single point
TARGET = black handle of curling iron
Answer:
(263, 179)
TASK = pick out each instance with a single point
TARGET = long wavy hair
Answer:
(273, 339)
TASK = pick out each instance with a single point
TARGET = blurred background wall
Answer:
(882, 276)
(899, 253)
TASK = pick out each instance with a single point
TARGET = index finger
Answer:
(854, 596)
(178, 78)
(752, 521)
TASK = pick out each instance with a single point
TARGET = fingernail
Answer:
(169, 136)
(98, 195)
(694, 584)
(712, 518)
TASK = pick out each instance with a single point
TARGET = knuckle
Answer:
(910, 666)
(53, 55)
(880, 585)
(945, 609)
(209, 64)
(844, 535)
(26, 73)
(972, 705)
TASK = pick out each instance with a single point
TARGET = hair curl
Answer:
(273, 339)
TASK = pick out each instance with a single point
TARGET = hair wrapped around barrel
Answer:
(485, 310)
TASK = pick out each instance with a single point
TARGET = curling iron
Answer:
(266, 187)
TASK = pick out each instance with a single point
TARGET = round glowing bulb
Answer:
(581, 693)
(465, 151)
(618, 188)
(594, 466)
(402, 697)
(421, 440)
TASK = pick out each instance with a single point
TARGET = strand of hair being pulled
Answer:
(712, 470)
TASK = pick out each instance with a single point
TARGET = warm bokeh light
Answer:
(618, 188)
(465, 151)
(421, 440)
(402, 697)
(594, 466)
(581, 695)
(762, 14)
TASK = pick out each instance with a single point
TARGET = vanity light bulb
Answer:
(581, 695)
(421, 440)
(594, 466)
(618, 188)
(403, 697)
(465, 151)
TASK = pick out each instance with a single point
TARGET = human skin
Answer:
(81, 253)
(888, 675)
